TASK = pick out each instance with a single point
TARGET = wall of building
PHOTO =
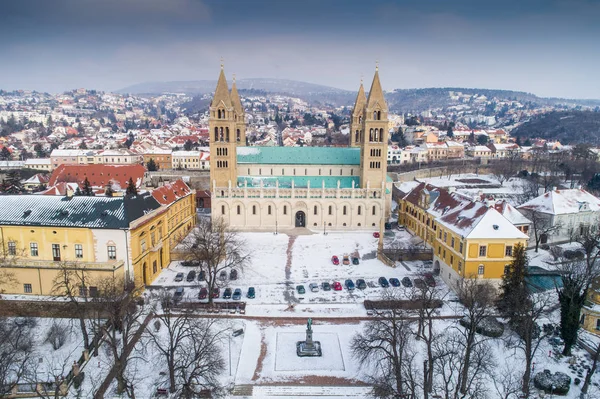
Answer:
(297, 170)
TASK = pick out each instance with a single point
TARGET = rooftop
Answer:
(299, 155)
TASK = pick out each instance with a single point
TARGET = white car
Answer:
(313, 287)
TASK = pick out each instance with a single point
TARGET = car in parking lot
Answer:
(349, 285)
(251, 293)
(419, 283)
(346, 260)
(429, 279)
(233, 274)
(388, 226)
(201, 275)
(406, 282)
(203, 293)
(179, 277)
(361, 284)
(394, 282)
(337, 286)
(300, 289)
(223, 275)
(326, 286)
(313, 287)
(383, 282)
(191, 276)
(427, 264)
(237, 294)
(227, 293)
(355, 260)
(335, 260)
(376, 234)
(178, 296)
(216, 292)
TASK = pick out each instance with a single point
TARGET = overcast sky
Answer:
(547, 47)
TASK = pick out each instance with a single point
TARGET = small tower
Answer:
(358, 116)
(222, 129)
(240, 117)
(374, 140)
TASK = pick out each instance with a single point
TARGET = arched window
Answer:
(254, 209)
(220, 134)
(344, 209)
(374, 210)
(378, 115)
(360, 119)
(359, 209)
(371, 135)
(239, 210)
(375, 115)
(315, 210)
(356, 137)
(216, 134)
(238, 135)
(269, 209)
(330, 210)
(285, 209)
(227, 134)
(222, 193)
(222, 209)
(219, 114)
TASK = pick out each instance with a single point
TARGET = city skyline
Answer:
(546, 48)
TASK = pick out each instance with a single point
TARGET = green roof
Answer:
(300, 181)
(299, 155)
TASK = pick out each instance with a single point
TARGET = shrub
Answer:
(57, 335)
(556, 384)
(78, 379)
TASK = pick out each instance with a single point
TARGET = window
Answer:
(508, 250)
(445, 236)
(269, 209)
(330, 210)
(359, 209)
(154, 267)
(254, 209)
(374, 210)
(315, 210)
(439, 250)
(56, 252)
(506, 269)
(112, 252)
(480, 270)
(143, 245)
(83, 290)
(285, 209)
(78, 251)
(459, 266)
(344, 209)
(597, 324)
(482, 250)
(239, 210)
(12, 248)
(222, 209)
(33, 247)
(460, 247)
(452, 242)
(451, 260)
(27, 288)
(93, 292)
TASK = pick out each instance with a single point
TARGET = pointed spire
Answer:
(376, 93)
(361, 100)
(235, 98)
(222, 90)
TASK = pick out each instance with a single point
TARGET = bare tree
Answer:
(49, 376)
(217, 248)
(588, 376)
(16, 346)
(124, 314)
(530, 189)
(9, 255)
(507, 383)
(386, 343)
(541, 225)
(507, 167)
(72, 281)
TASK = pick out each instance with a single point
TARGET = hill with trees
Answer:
(569, 127)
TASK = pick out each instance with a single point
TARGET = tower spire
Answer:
(222, 90)
(376, 92)
(235, 98)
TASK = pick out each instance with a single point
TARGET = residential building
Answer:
(38, 164)
(479, 151)
(99, 176)
(161, 156)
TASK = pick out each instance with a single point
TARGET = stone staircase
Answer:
(288, 391)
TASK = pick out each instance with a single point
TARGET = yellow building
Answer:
(590, 313)
(468, 238)
(126, 237)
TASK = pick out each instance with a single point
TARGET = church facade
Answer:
(267, 188)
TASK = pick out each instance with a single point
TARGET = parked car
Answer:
(178, 296)
(237, 294)
(335, 260)
(394, 282)
(326, 286)
(361, 284)
(406, 282)
(203, 293)
(191, 276)
(388, 226)
(349, 285)
(346, 260)
(190, 263)
(429, 279)
(223, 275)
(401, 227)
(427, 264)
(216, 292)
(355, 260)
(419, 283)
(251, 293)
(233, 274)
(227, 293)
(313, 287)
(383, 282)
(376, 234)
(300, 289)
(179, 277)
(337, 286)
(202, 275)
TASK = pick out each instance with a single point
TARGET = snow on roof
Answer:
(171, 192)
(511, 213)
(494, 225)
(38, 161)
(558, 202)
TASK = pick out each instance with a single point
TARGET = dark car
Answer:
(202, 275)
(419, 283)
(388, 226)
(361, 284)
(237, 294)
(223, 275)
(406, 282)
(394, 282)
(355, 260)
(300, 289)
(251, 293)
(191, 276)
(349, 285)
(227, 293)
(429, 279)
(383, 282)
(216, 292)
(190, 263)
(179, 277)
(203, 293)
(178, 296)
(233, 275)
(326, 286)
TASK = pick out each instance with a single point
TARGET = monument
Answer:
(308, 347)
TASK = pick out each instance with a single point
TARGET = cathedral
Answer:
(268, 188)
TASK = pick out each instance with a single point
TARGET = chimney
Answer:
(69, 193)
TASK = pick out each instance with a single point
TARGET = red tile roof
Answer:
(99, 175)
(171, 192)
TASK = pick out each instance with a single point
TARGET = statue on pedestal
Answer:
(308, 347)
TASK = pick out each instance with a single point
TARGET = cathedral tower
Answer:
(240, 117)
(223, 125)
(374, 140)
(357, 118)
